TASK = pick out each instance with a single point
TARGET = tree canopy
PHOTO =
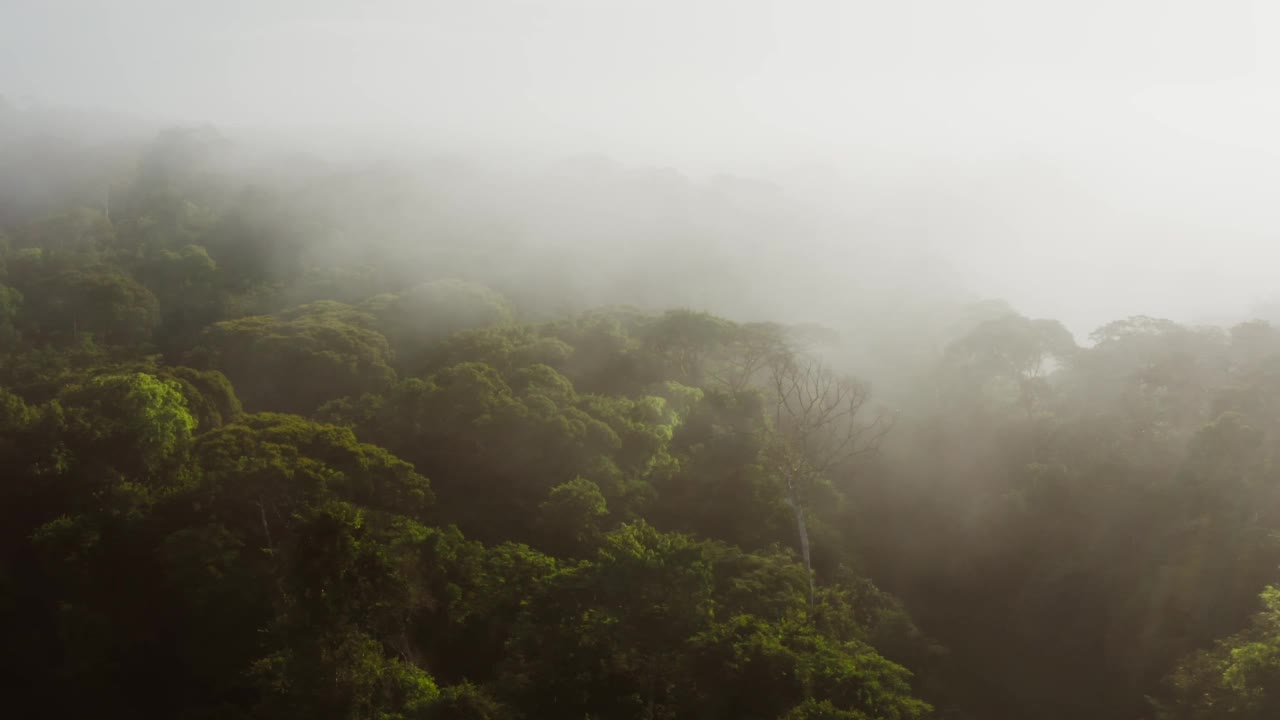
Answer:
(254, 468)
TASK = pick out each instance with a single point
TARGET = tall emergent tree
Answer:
(819, 425)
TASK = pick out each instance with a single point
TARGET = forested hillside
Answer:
(325, 442)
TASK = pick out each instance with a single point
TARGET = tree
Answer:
(745, 359)
(818, 425)
(136, 424)
(1238, 678)
(110, 307)
(265, 468)
(209, 395)
(467, 702)
(347, 594)
(749, 669)
(682, 340)
(185, 283)
(426, 314)
(571, 517)
(83, 231)
(299, 359)
(1007, 359)
(605, 637)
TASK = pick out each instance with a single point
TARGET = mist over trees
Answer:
(293, 436)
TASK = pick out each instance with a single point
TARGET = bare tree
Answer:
(819, 425)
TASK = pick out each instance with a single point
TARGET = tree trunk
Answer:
(793, 499)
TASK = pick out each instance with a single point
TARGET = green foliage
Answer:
(209, 395)
(181, 558)
(110, 307)
(682, 340)
(625, 516)
(10, 305)
(505, 348)
(814, 710)
(571, 516)
(607, 532)
(163, 222)
(605, 637)
(282, 463)
(759, 669)
(425, 314)
(139, 423)
(1005, 361)
(497, 445)
(186, 284)
(80, 230)
(343, 678)
(1238, 678)
(722, 488)
(299, 359)
(467, 702)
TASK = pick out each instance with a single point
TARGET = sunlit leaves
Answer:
(135, 423)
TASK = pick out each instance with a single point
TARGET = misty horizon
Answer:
(1083, 165)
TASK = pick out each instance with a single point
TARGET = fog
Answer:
(622, 359)
(1084, 161)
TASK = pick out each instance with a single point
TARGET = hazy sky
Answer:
(1071, 155)
(680, 73)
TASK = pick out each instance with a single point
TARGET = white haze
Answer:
(1085, 160)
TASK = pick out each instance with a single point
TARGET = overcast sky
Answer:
(1105, 154)
(681, 73)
